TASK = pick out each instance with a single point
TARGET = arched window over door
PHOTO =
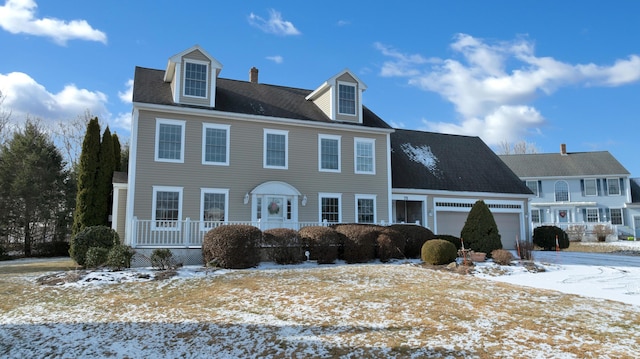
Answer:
(562, 191)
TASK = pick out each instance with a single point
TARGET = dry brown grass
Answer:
(352, 311)
(595, 247)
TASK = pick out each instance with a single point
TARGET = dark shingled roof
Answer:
(435, 161)
(244, 97)
(635, 190)
(557, 165)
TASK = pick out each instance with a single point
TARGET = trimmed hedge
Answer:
(232, 246)
(360, 242)
(96, 257)
(283, 246)
(453, 239)
(95, 236)
(323, 243)
(119, 257)
(390, 244)
(545, 237)
(439, 251)
(415, 236)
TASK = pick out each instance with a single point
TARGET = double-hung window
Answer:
(215, 144)
(195, 79)
(346, 99)
(593, 215)
(533, 186)
(214, 206)
(330, 207)
(616, 216)
(169, 140)
(536, 216)
(276, 143)
(613, 186)
(365, 208)
(167, 207)
(364, 151)
(329, 153)
(590, 187)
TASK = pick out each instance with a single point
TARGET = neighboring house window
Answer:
(169, 140)
(330, 207)
(329, 153)
(533, 186)
(215, 144)
(535, 216)
(167, 207)
(346, 99)
(562, 191)
(195, 79)
(364, 155)
(613, 186)
(366, 209)
(590, 187)
(616, 216)
(214, 206)
(593, 215)
(275, 149)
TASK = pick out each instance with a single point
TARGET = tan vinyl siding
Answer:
(198, 56)
(246, 171)
(324, 103)
(122, 212)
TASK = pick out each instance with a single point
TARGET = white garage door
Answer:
(508, 226)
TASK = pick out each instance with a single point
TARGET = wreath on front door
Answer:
(563, 214)
(273, 208)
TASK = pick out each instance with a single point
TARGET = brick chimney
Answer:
(253, 75)
(563, 149)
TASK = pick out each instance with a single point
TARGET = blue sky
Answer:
(543, 72)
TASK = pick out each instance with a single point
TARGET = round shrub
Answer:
(96, 257)
(545, 237)
(453, 239)
(502, 257)
(390, 245)
(415, 236)
(232, 246)
(119, 257)
(283, 246)
(438, 251)
(95, 236)
(360, 242)
(162, 259)
(323, 243)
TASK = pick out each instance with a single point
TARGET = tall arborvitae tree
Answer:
(106, 166)
(117, 153)
(86, 213)
(480, 231)
(32, 184)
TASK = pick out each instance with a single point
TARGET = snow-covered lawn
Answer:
(396, 310)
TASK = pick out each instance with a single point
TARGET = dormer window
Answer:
(195, 79)
(346, 99)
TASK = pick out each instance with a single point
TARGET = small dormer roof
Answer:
(330, 82)
(177, 58)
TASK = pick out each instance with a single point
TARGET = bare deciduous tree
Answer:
(518, 148)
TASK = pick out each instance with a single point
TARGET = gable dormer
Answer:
(340, 97)
(192, 74)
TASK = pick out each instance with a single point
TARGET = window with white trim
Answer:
(616, 216)
(214, 206)
(536, 216)
(365, 209)
(167, 207)
(593, 215)
(169, 140)
(346, 99)
(330, 207)
(562, 191)
(613, 186)
(215, 144)
(590, 187)
(364, 152)
(276, 149)
(195, 78)
(533, 186)
(329, 153)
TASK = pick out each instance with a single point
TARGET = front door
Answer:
(563, 216)
(275, 208)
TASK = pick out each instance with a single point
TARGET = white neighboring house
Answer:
(577, 190)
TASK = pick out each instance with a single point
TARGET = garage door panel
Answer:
(508, 226)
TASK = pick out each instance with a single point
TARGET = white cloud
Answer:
(126, 96)
(18, 16)
(492, 85)
(277, 59)
(24, 97)
(274, 25)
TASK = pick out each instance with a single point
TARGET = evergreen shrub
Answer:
(360, 241)
(162, 259)
(480, 231)
(232, 246)
(96, 257)
(95, 236)
(438, 251)
(283, 246)
(453, 239)
(545, 237)
(390, 244)
(119, 257)
(322, 242)
(415, 236)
